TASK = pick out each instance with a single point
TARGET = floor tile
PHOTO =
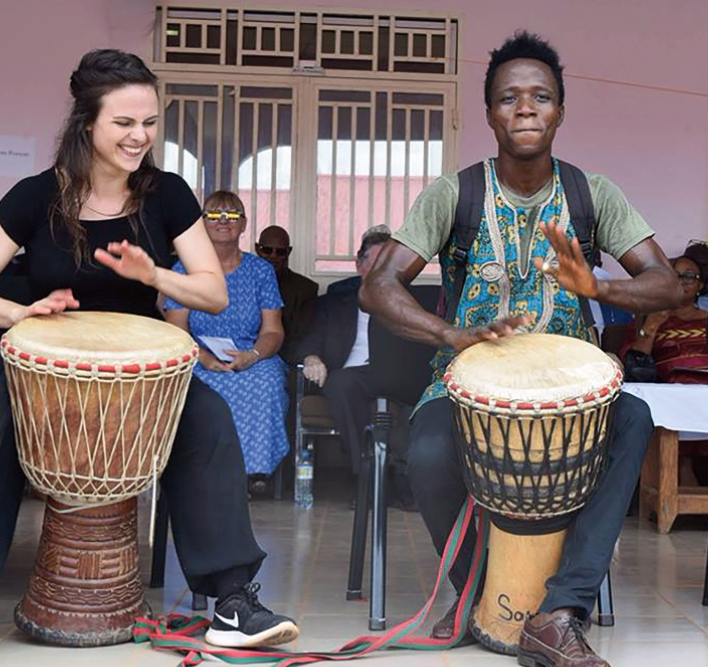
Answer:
(657, 585)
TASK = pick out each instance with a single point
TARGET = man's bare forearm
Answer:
(384, 295)
(387, 299)
(655, 289)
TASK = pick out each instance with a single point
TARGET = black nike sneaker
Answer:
(240, 620)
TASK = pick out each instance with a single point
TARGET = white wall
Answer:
(41, 42)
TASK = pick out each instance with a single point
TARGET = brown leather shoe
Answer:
(556, 640)
(444, 628)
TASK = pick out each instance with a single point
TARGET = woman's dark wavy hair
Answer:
(524, 44)
(100, 72)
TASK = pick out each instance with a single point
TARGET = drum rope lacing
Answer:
(538, 455)
(176, 632)
(158, 388)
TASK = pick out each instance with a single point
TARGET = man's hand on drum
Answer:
(57, 302)
(314, 369)
(461, 339)
(128, 261)
(572, 271)
(211, 363)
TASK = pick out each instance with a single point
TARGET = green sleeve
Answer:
(428, 224)
(620, 226)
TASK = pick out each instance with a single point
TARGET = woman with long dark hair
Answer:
(98, 228)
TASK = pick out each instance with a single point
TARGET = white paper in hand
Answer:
(218, 346)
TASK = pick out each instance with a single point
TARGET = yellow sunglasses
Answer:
(217, 215)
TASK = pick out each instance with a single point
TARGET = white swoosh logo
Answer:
(232, 622)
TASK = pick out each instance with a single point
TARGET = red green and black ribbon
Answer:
(176, 632)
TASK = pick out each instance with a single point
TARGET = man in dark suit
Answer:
(297, 291)
(335, 353)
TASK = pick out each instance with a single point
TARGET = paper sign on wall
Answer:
(17, 156)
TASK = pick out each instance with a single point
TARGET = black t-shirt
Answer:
(168, 210)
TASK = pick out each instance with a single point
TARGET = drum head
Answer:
(99, 337)
(535, 368)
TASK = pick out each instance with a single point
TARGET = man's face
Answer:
(525, 112)
(275, 250)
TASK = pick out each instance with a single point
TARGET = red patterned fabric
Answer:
(680, 349)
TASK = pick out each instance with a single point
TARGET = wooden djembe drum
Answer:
(532, 414)
(96, 399)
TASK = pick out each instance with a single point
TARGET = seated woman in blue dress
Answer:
(253, 381)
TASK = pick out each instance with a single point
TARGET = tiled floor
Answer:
(657, 584)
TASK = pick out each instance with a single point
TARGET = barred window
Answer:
(282, 108)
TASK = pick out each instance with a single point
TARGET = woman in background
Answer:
(253, 381)
(672, 346)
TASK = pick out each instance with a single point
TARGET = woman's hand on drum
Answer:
(128, 261)
(461, 339)
(211, 363)
(57, 302)
(572, 272)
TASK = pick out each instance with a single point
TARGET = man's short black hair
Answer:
(524, 44)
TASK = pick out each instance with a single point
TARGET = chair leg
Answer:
(605, 607)
(159, 550)
(199, 602)
(705, 586)
(278, 489)
(361, 521)
(377, 610)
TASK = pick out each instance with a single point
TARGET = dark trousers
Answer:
(435, 472)
(349, 394)
(205, 484)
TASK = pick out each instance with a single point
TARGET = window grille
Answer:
(306, 40)
(281, 107)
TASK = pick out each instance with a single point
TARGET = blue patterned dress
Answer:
(258, 395)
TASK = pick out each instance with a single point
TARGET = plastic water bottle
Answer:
(304, 469)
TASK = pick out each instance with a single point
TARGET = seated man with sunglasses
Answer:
(297, 291)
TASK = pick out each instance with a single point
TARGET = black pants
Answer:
(205, 484)
(435, 472)
(349, 394)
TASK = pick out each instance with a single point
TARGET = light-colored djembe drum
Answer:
(96, 399)
(532, 415)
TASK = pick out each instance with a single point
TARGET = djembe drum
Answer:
(532, 417)
(96, 399)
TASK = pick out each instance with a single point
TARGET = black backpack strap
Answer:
(582, 217)
(580, 207)
(468, 216)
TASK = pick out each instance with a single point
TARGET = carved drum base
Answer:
(85, 589)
